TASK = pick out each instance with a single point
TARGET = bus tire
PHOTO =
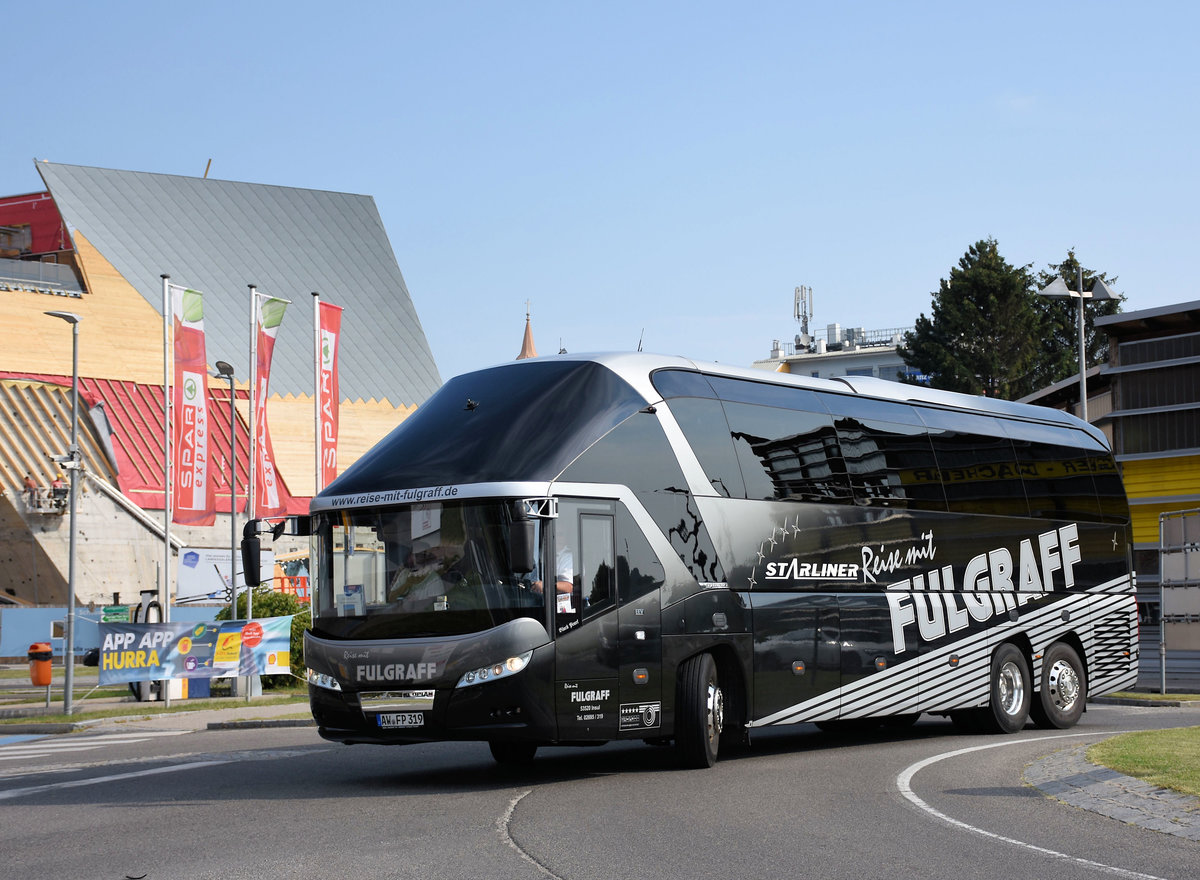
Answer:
(512, 752)
(1063, 691)
(1011, 691)
(700, 712)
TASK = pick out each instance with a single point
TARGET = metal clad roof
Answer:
(218, 236)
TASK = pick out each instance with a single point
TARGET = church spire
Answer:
(527, 349)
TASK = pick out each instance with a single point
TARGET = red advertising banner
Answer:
(267, 501)
(195, 493)
(328, 397)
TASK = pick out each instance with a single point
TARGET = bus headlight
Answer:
(321, 680)
(511, 666)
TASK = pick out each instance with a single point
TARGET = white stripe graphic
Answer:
(1041, 624)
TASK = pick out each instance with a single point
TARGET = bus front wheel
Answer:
(1011, 691)
(1063, 689)
(700, 712)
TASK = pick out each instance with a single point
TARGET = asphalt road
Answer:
(281, 803)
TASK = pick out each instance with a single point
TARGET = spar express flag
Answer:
(268, 317)
(328, 396)
(194, 490)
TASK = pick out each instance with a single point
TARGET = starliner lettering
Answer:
(795, 570)
(991, 584)
(396, 672)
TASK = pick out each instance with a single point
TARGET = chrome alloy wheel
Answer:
(1011, 686)
(715, 716)
(1063, 683)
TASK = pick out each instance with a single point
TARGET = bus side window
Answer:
(1055, 471)
(977, 463)
(639, 570)
(584, 543)
(889, 459)
(597, 563)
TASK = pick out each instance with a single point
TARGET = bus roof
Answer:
(636, 367)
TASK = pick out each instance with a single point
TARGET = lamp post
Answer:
(1057, 289)
(72, 464)
(225, 371)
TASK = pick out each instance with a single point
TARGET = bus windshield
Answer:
(421, 570)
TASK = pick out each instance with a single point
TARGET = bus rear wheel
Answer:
(512, 752)
(699, 713)
(1011, 691)
(1063, 691)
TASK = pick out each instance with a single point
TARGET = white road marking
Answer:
(904, 784)
(42, 748)
(99, 780)
(502, 828)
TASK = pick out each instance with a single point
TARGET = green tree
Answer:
(981, 336)
(1059, 320)
(268, 603)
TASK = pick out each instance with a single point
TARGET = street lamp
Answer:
(1058, 289)
(225, 371)
(71, 462)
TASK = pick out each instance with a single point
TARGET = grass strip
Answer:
(1143, 695)
(1166, 758)
(143, 710)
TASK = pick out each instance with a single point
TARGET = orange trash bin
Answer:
(40, 656)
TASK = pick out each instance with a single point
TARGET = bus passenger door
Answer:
(587, 646)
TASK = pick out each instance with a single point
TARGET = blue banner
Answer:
(156, 651)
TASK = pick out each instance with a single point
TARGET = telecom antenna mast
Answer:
(804, 311)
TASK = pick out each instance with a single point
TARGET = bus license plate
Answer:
(401, 719)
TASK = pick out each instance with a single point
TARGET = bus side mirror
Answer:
(522, 548)
(251, 553)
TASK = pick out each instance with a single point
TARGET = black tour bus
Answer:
(577, 549)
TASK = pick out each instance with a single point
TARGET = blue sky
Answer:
(669, 171)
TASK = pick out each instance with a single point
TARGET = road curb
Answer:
(48, 727)
(1131, 701)
(250, 725)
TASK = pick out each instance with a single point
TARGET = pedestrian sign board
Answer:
(114, 614)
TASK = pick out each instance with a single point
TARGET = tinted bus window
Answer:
(639, 570)
(681, 383)
(704, 426)
(598, 572)
(1057, 477)
(634, 454)
(788, 454)
(525, 421)
(765, 394)
(1110, 491)
(975, 459)
(889, 459)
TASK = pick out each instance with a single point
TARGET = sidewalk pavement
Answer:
(234, 713)
(1068, 776)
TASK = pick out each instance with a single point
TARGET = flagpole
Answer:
(167, 364)
(166, 279)
(317, 389)
(253, 428)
